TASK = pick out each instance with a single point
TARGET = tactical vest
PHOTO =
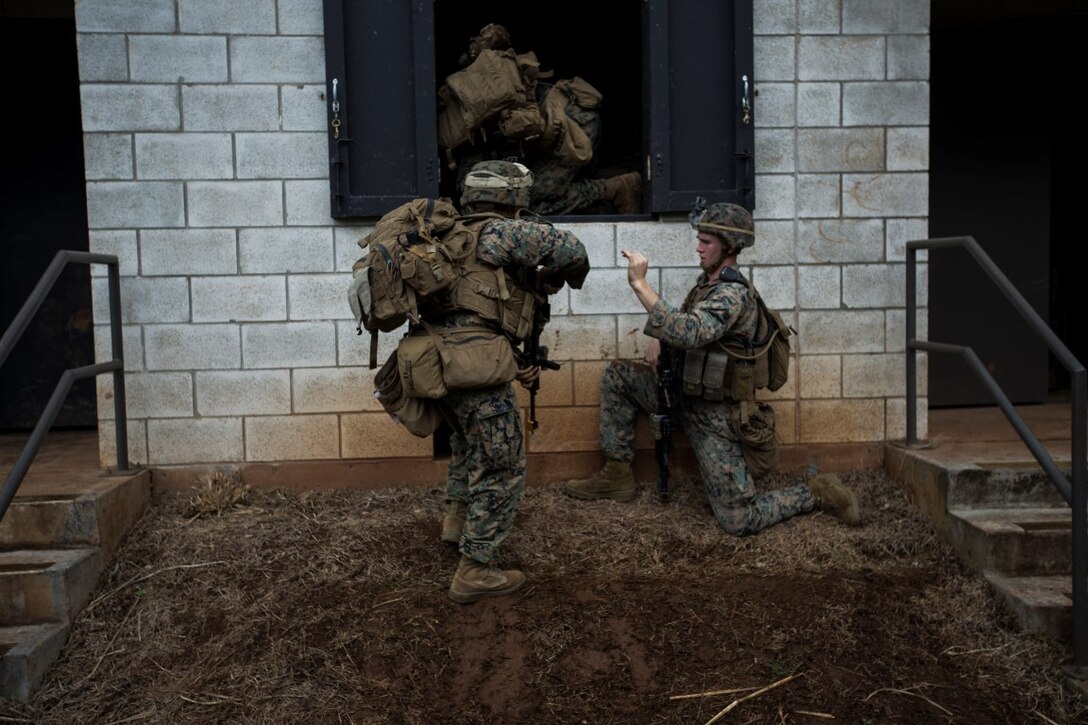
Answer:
(493, 293)
(727, 368)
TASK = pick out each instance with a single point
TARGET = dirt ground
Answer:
(332, 608)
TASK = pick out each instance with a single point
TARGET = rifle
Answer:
(536, 355)
(661, 420)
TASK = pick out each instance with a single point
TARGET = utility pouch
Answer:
(692, 381)
(420, 367)
(462, 358)
(714, 375)
(756, 436)
(419, 416)
(744, 379)
(473, 358)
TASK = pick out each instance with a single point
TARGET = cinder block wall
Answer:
(207, 174)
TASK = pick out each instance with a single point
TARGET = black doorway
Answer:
(1005, 166)
(43, 210)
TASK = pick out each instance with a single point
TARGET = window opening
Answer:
(607, 56)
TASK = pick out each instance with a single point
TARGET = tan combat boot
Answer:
(835, 498)
(614, 481)
(476, 580)
(625, 192)
(453, 522)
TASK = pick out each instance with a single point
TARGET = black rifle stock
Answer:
(661, 420)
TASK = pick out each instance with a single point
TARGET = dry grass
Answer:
(331, 607)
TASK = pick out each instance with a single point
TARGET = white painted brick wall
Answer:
(834, 149)
(119, 107)
(123, 204)
(148, 16)
(180, 58)
(243, 392)
(102, 57)
(207, 161)
(182, 252)
(194, 440)
(239, 299)
(840, 58)
(192, 347)
(289, 345)
(107, 155)
(235, 203)
(230, 108)
(267, 251)
(214, 16)
(184, 156)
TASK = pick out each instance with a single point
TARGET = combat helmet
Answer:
(732, 223)
(497, 182)
(491, 37)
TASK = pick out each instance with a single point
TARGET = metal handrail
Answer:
(60, 392)
(1075, 494)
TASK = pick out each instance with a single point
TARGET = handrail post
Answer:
(1080, 528)
(120, 414)
(912, 355)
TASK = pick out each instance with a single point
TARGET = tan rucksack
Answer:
(411, 254)
(497, 85)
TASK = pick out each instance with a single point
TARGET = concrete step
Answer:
(1042, 604)
(1002, 486)
(46, 585)
(26, 653)
(1014, 541)
(83, 508)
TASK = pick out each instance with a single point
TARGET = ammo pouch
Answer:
(420, 416)
(753, 423)
(713, 373)
(433, 362)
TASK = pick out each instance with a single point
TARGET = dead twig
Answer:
(712, 693)
(825, 715)
(145, 577)
(757, 693)
(908, 692)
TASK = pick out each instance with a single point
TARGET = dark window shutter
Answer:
(381, 55)
(699, 144)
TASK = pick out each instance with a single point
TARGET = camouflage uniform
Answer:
(487, 462)
(559, 187)
(628, 387)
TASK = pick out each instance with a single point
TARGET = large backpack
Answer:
(497, 85)
(769, 348)
(410, 256)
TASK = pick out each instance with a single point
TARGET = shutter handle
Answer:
(745, 103)
(335, 109)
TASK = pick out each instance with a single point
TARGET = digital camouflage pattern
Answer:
(556, 190)
(528, 244)
(711, 310)
(487, 466)
(730, 222)
(630, 387)
(558, 187)
(497, 182)
(487, 462)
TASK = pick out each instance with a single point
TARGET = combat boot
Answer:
(453, 522)
(625, 192)
(835, 498)
(614, 481)
(475, 580)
